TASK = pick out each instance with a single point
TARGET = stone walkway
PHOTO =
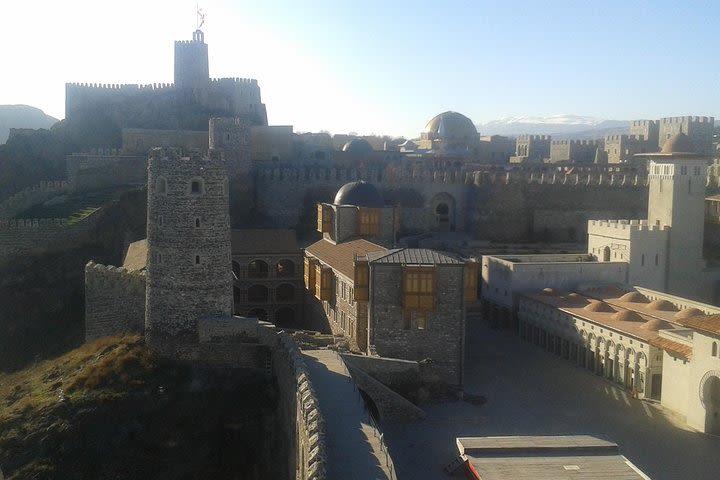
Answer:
(353, 448)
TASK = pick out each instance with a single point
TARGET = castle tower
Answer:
(191, 62)
(189, 274)
(232, 137)
(677, 177)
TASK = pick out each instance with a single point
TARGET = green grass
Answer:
(74, 207)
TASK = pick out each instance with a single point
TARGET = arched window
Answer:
(606, 254)
(285, 268)
(257, 269)
(285, 293)
(257, 293)
(161, 187)
(715, 349)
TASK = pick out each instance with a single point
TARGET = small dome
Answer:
(598, 306)
(452, 125)
(679, 143)
(358, 148)
(549, 291)
(634, 297)
(655, 324)
(627, 316)
(662, 306)
(359, 194)
(689, 312)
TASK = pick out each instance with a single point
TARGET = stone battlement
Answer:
(32, 223)
(576, 142)
(118, 86)
(629, 225)
(104, 273)
(240, 81)
(643, 123)
(30, 196)
(526, 137)
(687, 119)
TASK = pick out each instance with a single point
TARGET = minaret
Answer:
(189, 274)
(676, 199)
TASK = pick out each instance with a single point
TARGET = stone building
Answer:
(648, 130)
(664, 251)
(495, 150)
(623, 148)
(663, 347)
(698, 129)
(185, 105)
(402, 303)
(532, 149)
(267, 270)
(189, 274)
(450, 132)
(574, 151)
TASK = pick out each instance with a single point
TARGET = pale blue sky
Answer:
(385, 67)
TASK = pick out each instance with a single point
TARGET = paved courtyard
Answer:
(532, 392)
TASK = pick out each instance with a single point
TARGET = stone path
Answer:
(353, 447)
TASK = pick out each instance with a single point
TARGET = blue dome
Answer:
(359, 194)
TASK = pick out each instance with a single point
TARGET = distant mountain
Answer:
(22, 116)
(560, 126)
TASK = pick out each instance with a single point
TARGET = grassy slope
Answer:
(111, 410)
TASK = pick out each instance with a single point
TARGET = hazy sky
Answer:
(387, 66)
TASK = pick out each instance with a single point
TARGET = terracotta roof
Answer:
(136, 256)
(341, 256)
(676, 348)
(263, 241)
(705, 323)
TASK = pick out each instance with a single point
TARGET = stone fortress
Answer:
(215, 163)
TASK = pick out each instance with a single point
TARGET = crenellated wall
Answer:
(94, 171)
(32, 236)
(114, 301)
(30, 196)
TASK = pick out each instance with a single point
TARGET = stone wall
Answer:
(41, 235)
(114, 301)
(93, 171)
(442, 342)
(30, 196)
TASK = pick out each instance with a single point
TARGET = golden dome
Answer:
(452, 126)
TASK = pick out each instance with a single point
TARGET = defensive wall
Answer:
(103, 169)
(34, 236)
(163, 105)
(137, 141)
(114, 301)
(30, 196)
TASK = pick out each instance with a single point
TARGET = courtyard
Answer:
(532, 392)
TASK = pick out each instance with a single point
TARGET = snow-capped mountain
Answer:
(558, 125)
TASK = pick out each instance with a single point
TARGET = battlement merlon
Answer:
(688, 119)
(623, 228)
(100, 273)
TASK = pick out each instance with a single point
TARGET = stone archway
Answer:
(443, 210)
(710, 398)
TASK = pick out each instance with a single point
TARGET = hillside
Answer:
(110, 409)
(22, 116)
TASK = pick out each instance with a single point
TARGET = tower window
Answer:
(227, 137)
(642, 260)
(159, 258)
(197, 259)
(160, 220)
(714, 349)
(197, 222)
(657, 258)
(196, 186)
(161, 185)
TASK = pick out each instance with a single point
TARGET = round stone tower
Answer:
(189, 273)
